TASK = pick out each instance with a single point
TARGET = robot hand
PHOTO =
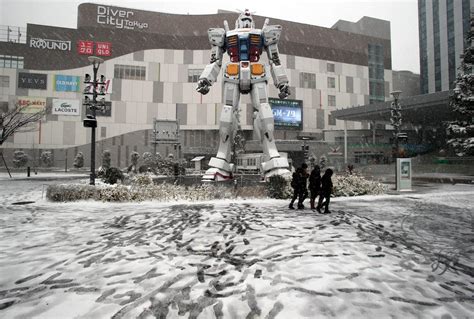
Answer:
(203, 86)
(284, 90)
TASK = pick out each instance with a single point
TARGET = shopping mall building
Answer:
(152, 61)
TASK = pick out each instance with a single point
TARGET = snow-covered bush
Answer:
(20, 159)
(79, 160)
(112, 175)
(141, 180)
(46, 158)
(134, 157)
(355, 185)
(322, 162)
(121, 193)
(278, 187)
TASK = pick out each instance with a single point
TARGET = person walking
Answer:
(314, 185)
(303, 189)
(326, 190)
(295, 184)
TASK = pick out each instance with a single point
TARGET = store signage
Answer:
(50, 44)
(67, 83)
(103, 48)
(102, 111)
(31, 104)
(85, 47)
(119, 18)
(66, 107)
(36, 81)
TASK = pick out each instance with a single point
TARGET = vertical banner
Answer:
(85, 47)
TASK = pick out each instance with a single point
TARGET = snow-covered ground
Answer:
(392, 256)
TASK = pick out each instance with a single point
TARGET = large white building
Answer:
(443, 26)
(153, 61)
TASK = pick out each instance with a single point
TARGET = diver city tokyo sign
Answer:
(119, 18)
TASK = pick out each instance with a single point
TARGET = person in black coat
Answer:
(303, 189)
(299, 186)
(314, 185)
(326, 189)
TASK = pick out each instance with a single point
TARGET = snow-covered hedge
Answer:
(124, 193)
(355, 185)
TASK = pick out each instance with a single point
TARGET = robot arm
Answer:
(211, 71)
(271, 35)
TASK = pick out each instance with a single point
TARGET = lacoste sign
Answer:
(66, 107)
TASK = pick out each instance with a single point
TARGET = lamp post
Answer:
(91, 121)
(396, 119)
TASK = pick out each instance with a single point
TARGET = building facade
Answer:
(443, 26)
(152, 63)
(407, 82)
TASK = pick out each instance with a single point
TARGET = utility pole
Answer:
(92, 88)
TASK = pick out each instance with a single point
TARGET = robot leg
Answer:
(274, 164)
(220, 167)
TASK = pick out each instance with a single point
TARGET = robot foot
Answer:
(276, 166)
(214, 174)
(283, 172)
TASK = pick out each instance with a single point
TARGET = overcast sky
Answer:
(402, 14)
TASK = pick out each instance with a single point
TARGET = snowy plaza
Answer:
(405, 255)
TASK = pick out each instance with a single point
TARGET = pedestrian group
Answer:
(318, 186)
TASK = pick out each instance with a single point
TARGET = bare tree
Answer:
(18, 119)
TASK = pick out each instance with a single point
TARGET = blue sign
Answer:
(287, 113)
(67, 83)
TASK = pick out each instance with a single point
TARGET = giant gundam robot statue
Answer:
(242, 75)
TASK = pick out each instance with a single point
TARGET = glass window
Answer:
(194, 74)
(130, 72)
(331, 67)
(331, 83)
(331, 100)
(4, 81)
(331, 120)
(307, 80)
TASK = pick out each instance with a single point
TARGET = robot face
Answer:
(245, 20)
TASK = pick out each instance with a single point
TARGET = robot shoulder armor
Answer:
(271, 34)
(216, 36)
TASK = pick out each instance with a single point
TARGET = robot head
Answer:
(245, 20)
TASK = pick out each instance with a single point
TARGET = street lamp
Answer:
(396, 118)
(92, 88)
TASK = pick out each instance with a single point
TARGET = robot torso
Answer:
(244, 45)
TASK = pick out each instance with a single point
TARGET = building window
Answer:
(331, 67)
(307, 80)
(103, 132)
(331, 120)
(129, 72)
(11, 61)
(331, 83)
(194, 74)
(331, 100)
(349, 84)
(376, 73)
(4, 81)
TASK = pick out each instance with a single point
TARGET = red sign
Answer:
(103, 48)
(85, 47)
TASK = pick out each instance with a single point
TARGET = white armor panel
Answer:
(271, 34)
(216, 36)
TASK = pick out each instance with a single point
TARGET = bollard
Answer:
(28, 171)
